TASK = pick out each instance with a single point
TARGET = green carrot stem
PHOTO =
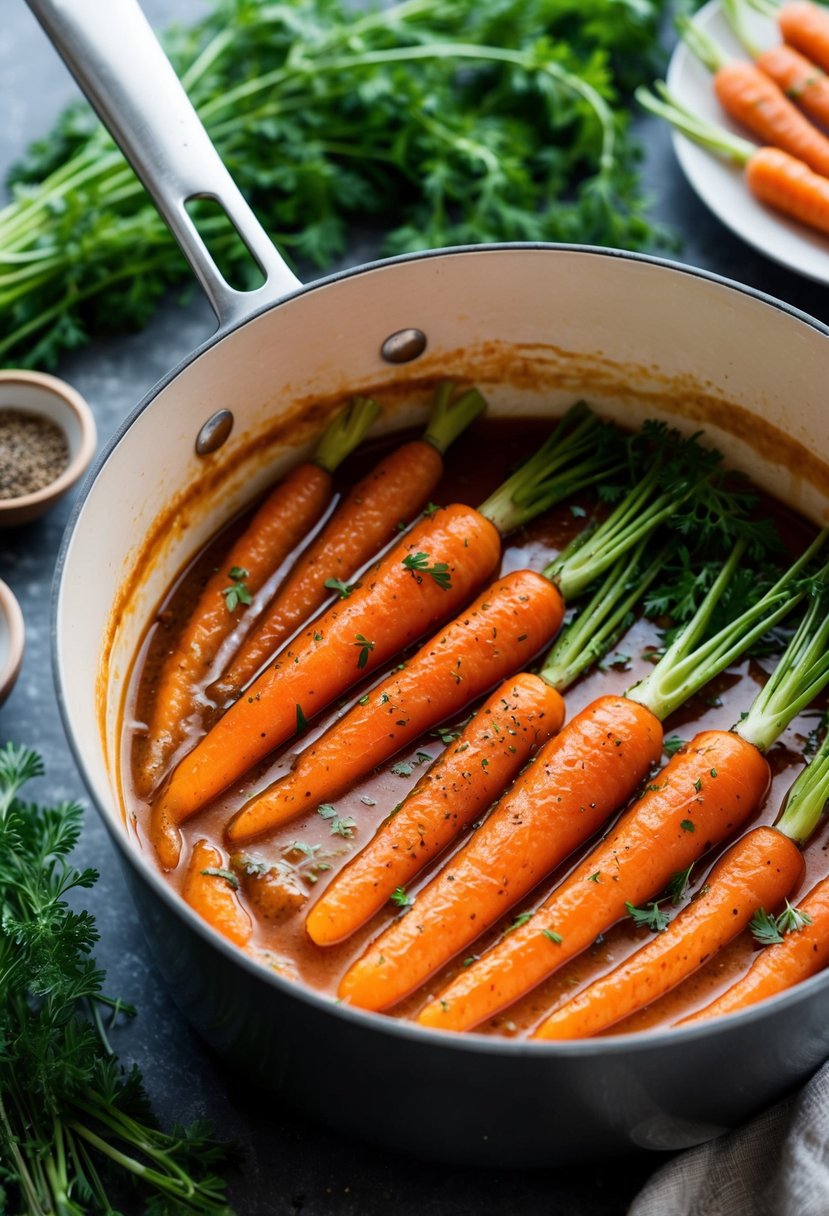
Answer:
(800, 675)
(769, 8)
(735, 15)
(342, 435)
(701, 44)
(576, 454)
(689, 663)
(806, 801)
(603, 619)
(707, 134)
(450, 418)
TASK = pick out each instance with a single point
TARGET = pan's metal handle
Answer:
(113, 54)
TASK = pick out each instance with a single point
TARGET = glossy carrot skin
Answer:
(498, 634)
(800, 955)
(575, 782)
(667, 829)
(752, 99)
(462, 783)
(394, 492)
(212, 896)
(392, 607)
(804, 83)
(276, 529)
(785, 183)
(805, 26)
(759, 871)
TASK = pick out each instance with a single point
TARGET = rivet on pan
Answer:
(214, 432)
(403, 346)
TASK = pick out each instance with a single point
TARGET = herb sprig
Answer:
(74, 1122)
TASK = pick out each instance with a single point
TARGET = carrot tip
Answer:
(166, 838)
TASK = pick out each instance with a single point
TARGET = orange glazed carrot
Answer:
(759, 871)
(674, 823)
(393, 493)
(799, 79)
(210, 889)
(781, 966)
(461, 784)
(394, 605)
(805, 26)
(498, 634)
(556, 803)
(279, 525)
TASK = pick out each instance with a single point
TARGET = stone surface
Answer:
(289, 1166)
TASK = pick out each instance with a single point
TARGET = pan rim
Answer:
(639, 1043)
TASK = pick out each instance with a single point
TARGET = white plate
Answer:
(719, 184)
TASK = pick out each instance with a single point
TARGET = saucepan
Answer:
(534, 326)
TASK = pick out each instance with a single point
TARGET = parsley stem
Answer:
(799, 676)
(603, 619)
(690, 662)
(580, 449)
(345, 432)
(806, 801)
(450, 418)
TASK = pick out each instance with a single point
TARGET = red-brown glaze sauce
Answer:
(477, 464)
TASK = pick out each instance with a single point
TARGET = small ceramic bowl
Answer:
(36, 393)
(11, 640)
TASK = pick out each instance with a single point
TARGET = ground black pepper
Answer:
(33, 452)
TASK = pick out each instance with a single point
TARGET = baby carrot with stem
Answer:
(798, 940)
(292, 508)
(773, 176)
(678, 474)
(749, 97)
(392, 494)
(804, 26)
(799, 78)
(576, 781)
(756, 873)
(431, 572)
(700, 797)
(476, 767)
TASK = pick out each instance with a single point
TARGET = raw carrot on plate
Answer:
(429, 574)
(751, 98)
(801, 80)
(290, 510)
(702, 796)
(380, 504)
(774, 177)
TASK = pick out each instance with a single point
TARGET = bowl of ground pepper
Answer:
(47, 439)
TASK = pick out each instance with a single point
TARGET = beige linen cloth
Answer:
(776, 1165)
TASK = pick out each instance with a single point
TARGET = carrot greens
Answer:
(74, 1124)
(464, 122)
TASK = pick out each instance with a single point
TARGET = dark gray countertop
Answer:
(290, 1166)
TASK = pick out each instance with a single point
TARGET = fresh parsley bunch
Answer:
(71, 1118)
(441, 121)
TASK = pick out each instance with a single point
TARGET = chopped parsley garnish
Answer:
(366, 648)
(301, 721)
(228, 875)
(338, 827)
(418, 564)
(237, 593)
(687, 825)
(553, 937)
(651, 916)
(401, 899)
(769, 930)
(343, 589)
(674, 744)
(678, 883)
